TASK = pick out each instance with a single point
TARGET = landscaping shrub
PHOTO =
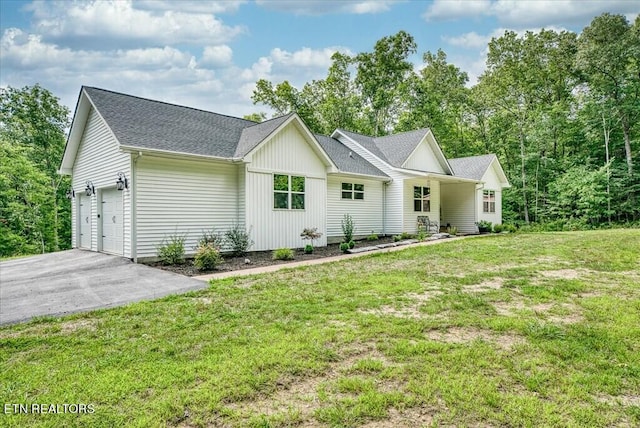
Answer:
(211, 237)
(239, 240)
(406, 235)
(308, 249)
(372, 237)
(171, 250)
(310, 234)
(352, 244)
(453, 230)
(396, 238)
(344, 247)
(498, 228)
(511, 228)
(207, 257)
(484, 226)
(422, 234)
(348, 226)
(283, 254)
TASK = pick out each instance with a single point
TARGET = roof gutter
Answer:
(158, 152)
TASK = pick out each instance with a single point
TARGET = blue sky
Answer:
(209, 54)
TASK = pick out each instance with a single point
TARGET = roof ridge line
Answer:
(170, 104)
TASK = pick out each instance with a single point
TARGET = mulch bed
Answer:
(263, 258)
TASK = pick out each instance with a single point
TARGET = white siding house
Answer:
(144, 170)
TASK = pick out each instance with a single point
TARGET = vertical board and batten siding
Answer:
(183, 197)
(367, 213)
(393, 217)
(410, 221)
(424, 159)
(459, 206)
(99, 159)
(491, 182)
(290, 153)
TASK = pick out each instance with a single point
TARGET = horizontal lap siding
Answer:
(411, 217)
(99, 159)
(459, 206)
(184, 197)
(367, 213)
(491, 182)
(288, 152)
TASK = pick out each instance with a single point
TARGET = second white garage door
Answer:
(112, 222)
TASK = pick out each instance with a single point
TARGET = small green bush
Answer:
(283, 254)
(511, 228)
(239, 240)
(498, 228)
(484, 226)
(422, 235)
(453, 230)
(372, 237)
(171, 250)
(308, 249)
(406, 235)
(348, 226)
(397, 238)
(211, 237)
(207, 257)
(352, 244)
(344, 247)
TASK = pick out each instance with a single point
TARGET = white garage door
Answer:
(112, 226)
(85, 218)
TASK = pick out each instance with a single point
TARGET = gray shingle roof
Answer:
(472, 167)
(366, 142)
(144, 123)
(398, 147)
(345, 159)
(393, 149)
(253, 135)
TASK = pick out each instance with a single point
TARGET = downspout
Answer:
(134, 205)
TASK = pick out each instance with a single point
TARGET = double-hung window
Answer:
(288, 192)
(421, 199)
(352, 191)
(489, 201)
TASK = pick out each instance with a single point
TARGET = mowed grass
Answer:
(509, 330)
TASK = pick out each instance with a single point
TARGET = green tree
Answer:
(436, 99)
(32, 130)
(382, 76)
(609, 60)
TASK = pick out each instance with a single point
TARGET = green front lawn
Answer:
(509, 330)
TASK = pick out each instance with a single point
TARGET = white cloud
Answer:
(217, 56)
(324, 7)
(455, 9)
(99, 23)
(517, 13)
(468, 40)
(192, 6)
(304, 57)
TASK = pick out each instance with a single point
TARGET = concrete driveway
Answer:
(77, 281)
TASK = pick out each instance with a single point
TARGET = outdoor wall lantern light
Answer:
(90, 190)
(71, 193)
(122, 182)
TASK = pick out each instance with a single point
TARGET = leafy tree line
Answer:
(561, 111)
(35, 214)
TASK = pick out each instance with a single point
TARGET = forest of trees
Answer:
(560, 110)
